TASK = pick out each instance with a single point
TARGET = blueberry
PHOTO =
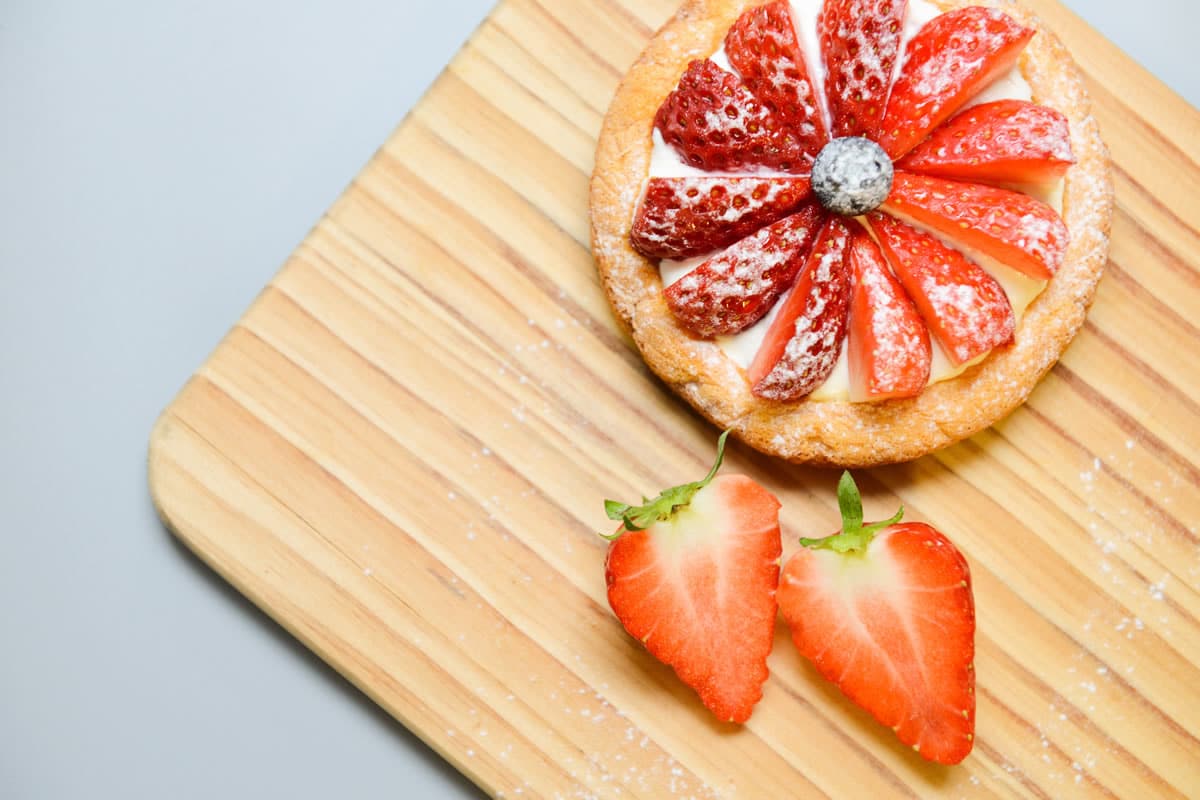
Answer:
(852, 176)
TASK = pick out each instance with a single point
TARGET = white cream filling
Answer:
(665, 162)
(806, 13)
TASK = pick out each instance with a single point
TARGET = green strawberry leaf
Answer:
(854, 536)
(663, 507)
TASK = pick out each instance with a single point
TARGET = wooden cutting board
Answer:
(401, 450)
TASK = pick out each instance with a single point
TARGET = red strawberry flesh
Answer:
(949, 61)
(964, 306)
(736, 288)
(860, 42)
(763, 48)
(717, 125)
(1007, 141)
(804, 341)
(891, 621)
(1011, 227)
(888, 344)
(686, 217)
(697, 587)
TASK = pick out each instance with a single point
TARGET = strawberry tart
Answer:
(851, 231)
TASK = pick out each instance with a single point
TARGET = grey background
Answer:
(158, 161)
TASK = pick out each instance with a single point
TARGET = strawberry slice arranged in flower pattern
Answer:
(964, 306)
(718, 125)
(736, 288)
(1005, 141)
(886, 612)
(804, 341)
(949, 60)
(692, 575)
(760, 128)
(860, 40)
(1013, 228)
(888, 342)
(763, 48)
(685, 217)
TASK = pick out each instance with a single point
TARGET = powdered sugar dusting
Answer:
(895, 357)
(947, 58)
(763, 48)
(718, 125)
(964, 306)
(985, 139)
(1020, 289)
(861, 44)
(819, 328)
(687, 216)
(1026, 230)
(888, 320)
(734, 289)
(672, 270)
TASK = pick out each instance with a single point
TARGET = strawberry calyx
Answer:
(854, 536)
(666, 505)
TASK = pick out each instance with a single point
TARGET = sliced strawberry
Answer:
(886, 612)
(692, 575)
(802, 345)
(964, 306)
(860, 41)
(1013, 228)
(736, 288)
(717, 125)
(763, 48)
(890, 354)
(1008, 141)
(685, 217)
(947, 63)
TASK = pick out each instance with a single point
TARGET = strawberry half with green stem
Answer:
(685, 217)
(692, 574)
(948, 62)
(1007, 142)
(886, 612)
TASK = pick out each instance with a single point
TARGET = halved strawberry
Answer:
(860, 41)
(736, 288)
(963, 305)
(1013, 228)
(888, 342)
(692, 575)
(1007, 141)
(685, 217)
(949, 61)
(763, 48)
(886, 612)
(717, 125)
(802, 345)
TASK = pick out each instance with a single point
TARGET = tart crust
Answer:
(840, 433)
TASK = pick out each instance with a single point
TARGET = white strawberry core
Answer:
(665, 162)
